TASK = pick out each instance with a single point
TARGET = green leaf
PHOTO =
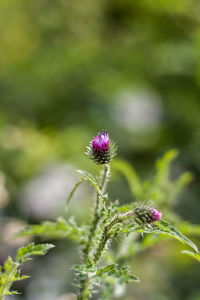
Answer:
(24, 277)
(94, 181)
(131, 176)
(24, 253)
(60, 229)
(9, 264)
(192, 254)
(171, 230)
(163, 167)
(162, 228)
(72, 193)
(9, 275)
(114, 270)
(11, 272)
(187, 228)
(178, 185)
(14, 293)
(161, 189)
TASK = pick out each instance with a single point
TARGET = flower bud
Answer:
(147, 215)
(101, 149)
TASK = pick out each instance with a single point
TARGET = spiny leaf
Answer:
(9, 264)
(178, 185)
(60, 229)
(114, 270)
(13, 293)
(72, 193)
(24, 277)
(177, 234)
(131, 176)
(9, 275)
(93, 180)
(25, 252)
(192, 254)
(11, 272)
(163, 166)
(162, 228)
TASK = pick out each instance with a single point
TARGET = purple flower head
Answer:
(156, 214)
(101, 149)
(101, 142)
(147, 215)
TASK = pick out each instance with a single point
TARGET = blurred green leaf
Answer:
(161, 189)
(178, 185)
(187, 228)
(131, 176)
(58, 230)
(192, 254)
(163, 167)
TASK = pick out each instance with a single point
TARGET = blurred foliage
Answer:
(69, 69)
(192, 254)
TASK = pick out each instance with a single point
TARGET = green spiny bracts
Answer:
(101, 149)
(147, 215)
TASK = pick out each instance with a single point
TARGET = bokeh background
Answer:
(69, 69)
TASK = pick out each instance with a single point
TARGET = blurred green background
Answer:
(69, 69)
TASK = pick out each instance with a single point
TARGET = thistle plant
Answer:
(102, 266)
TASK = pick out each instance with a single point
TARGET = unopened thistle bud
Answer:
(101, 149)
(147, 215)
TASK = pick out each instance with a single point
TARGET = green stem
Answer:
(106, 235)
(104, 179)
(97, 213)
(84, 289)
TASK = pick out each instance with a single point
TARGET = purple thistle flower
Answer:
(156, 215)
(101, 142)
(147, 215)
(102, 150)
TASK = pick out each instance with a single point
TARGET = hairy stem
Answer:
(106, 235)
(97, 213)
(84, 290)
(104, 180)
